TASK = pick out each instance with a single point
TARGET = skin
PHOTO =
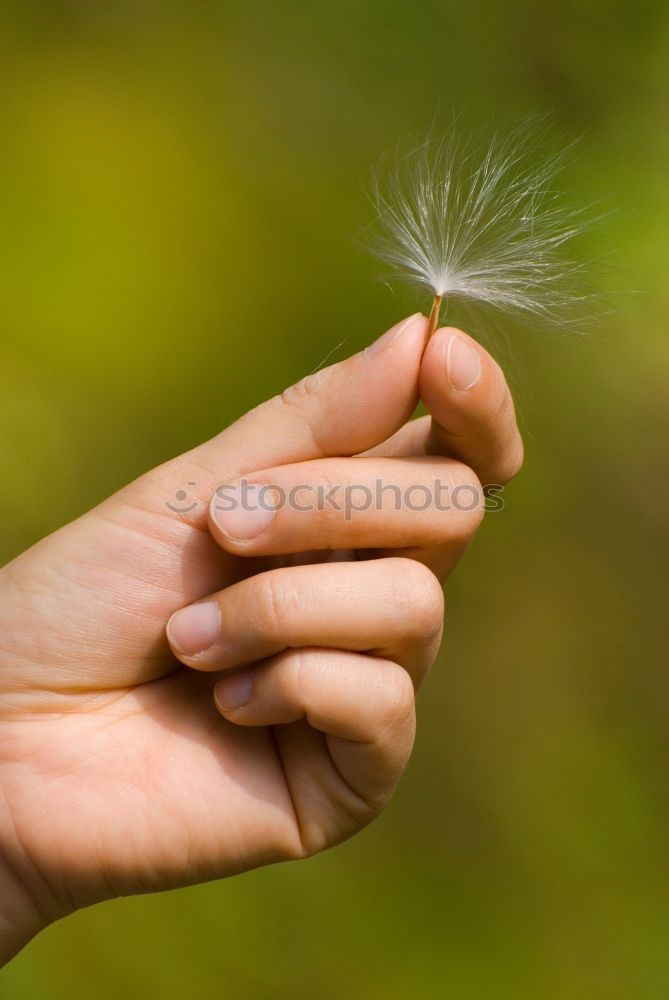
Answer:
(124, 765)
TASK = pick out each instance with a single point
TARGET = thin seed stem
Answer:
(433, 321)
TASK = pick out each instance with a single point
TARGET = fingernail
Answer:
(391, 335)
(195, 628)
(234, 691)
(242, 512)
(463, 365)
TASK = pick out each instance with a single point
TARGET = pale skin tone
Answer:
(144, 746)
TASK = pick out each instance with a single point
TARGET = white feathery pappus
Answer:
(483, 221)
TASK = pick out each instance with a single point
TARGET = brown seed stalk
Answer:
(433, 321)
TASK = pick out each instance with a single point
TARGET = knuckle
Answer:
(294, 668)
(308, 388)
(467, 503)
(274, 601)
(305, 400)
(396, 699)
(329, 474)
(419, 595)
(330, 480)
(512, 462)
(324, 502)
(329, 515)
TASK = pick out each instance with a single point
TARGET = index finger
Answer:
(339, 410)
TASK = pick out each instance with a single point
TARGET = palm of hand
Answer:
(145, 785)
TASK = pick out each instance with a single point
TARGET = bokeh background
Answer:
(182, 185)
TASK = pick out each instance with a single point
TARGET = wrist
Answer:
(27, 905)
(20, 916)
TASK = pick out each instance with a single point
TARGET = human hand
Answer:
(118, 772)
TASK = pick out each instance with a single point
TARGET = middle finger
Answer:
(425, 507)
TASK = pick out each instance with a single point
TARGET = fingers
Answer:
(472, 417)
(365, 706)
(339, 410)
(392, 608)
(432, 504)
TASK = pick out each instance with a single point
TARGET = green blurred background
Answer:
(181, 188)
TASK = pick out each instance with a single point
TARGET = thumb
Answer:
(340, 410)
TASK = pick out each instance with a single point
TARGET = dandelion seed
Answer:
(483, 223)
